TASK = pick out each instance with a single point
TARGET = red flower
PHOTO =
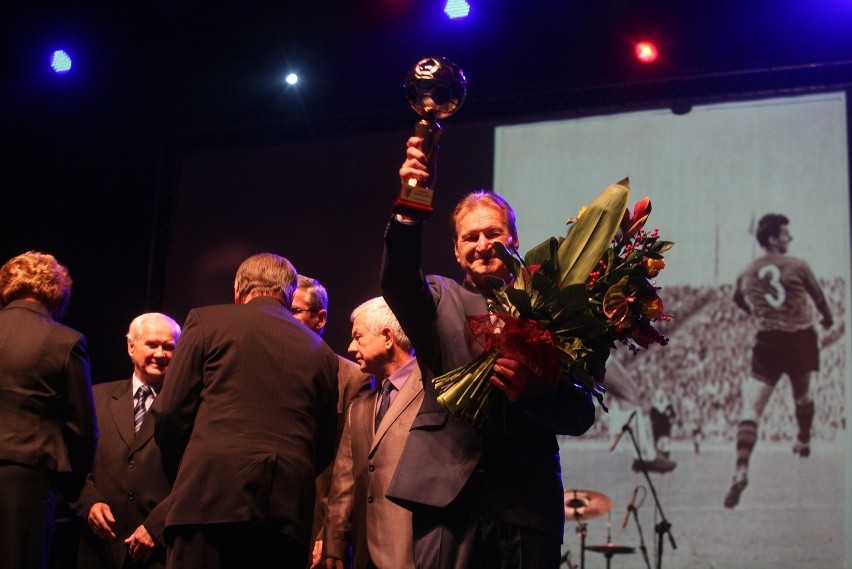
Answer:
(630, 225)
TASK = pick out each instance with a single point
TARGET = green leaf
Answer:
(567, 302)
(509, 259)
(521, 301)
(580, 252)
(662, 246)
(544, 251)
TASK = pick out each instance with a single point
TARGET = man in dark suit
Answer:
(359, 514)
(489, 496)
(122, 504)
(48, 429)
(310, 306)
(245, 423)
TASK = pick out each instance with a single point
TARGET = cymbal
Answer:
(585, 504)
(611, 548)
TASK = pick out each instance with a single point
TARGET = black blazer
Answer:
(247, 417)
(47, 417)
(128, 475)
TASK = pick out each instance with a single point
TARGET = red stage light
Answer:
(646, 52)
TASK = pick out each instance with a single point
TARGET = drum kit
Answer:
(584, 505)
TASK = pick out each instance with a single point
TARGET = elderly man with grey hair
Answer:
(245, 423)
(377, 425)
(122, 505)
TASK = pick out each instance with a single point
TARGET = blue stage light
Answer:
(60, 61)
(457, 9)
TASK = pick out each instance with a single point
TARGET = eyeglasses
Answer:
(296, 310)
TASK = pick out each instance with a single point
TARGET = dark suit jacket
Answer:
(47, 417)
(128, 475)
(246, 418)
(359, 514)
(517, 447)
(350, 382)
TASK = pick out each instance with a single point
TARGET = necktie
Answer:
(384, 401)
(142, 395)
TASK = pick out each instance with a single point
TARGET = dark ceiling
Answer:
(162, 67)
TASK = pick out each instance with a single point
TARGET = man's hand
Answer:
(415, 161)
(140, 545)
(316, 555)
(333, 563)
(100, 520)
(517, 380)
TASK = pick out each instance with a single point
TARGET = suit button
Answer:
(131, 496)
(369, 499)
(371, 468)
(131, 463)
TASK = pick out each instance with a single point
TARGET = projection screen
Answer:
(711, 174)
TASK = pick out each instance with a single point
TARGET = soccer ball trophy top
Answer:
(435, 87)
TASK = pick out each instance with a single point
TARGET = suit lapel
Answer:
(403, 399)
(121, 409)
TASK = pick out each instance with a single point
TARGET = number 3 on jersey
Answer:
(772, 275)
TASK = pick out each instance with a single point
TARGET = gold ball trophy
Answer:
(435, 87)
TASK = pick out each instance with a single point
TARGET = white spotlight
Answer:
(291, 79)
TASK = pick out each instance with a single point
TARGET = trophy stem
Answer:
(429, 132)
(415, 196)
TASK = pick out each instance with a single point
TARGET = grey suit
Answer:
(359, 514)
(127, 475)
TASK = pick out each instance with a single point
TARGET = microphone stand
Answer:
(634, 510)
(581, 529)
(663, 528)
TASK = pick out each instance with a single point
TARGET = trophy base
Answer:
(414, 201)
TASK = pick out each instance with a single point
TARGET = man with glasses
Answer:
(310, 305)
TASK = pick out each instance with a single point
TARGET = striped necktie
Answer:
(384, 401)
(142, 395)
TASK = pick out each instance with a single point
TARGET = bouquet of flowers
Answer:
(570, 300)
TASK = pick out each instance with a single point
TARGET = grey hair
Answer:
(135, 329)
(313, 289)
(266, 273)
(378, 316)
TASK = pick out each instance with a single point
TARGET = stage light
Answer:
(291, 79)
(457, 9)
(646, 52)
(60, 61)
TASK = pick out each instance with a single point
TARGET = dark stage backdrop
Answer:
(323, 205)
(711, 174)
